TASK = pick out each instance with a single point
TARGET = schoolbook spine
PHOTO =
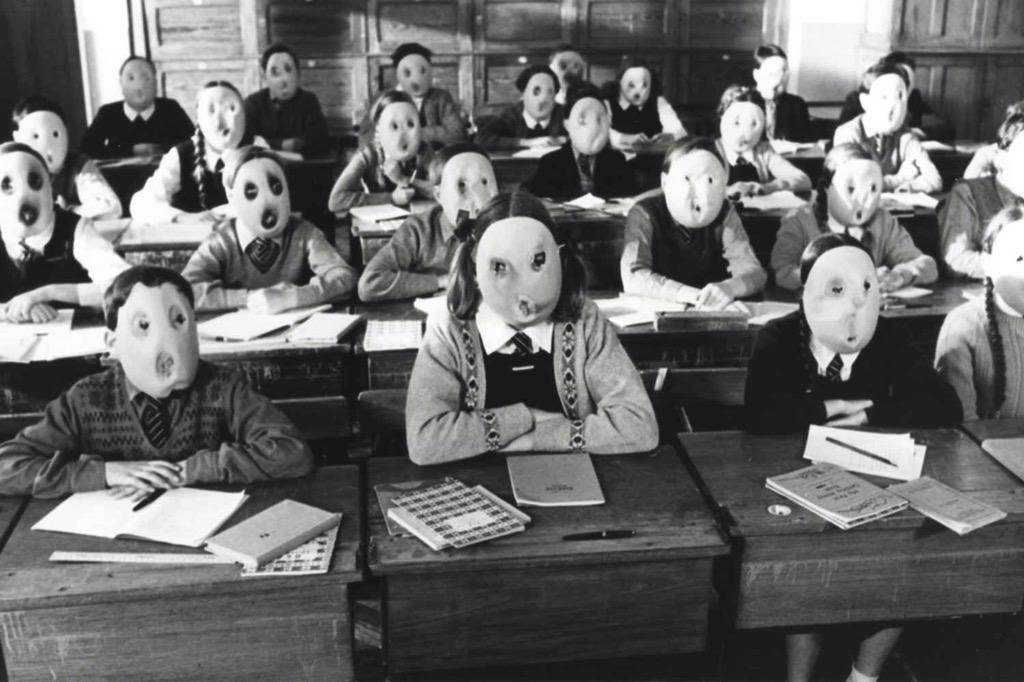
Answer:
(255, 561)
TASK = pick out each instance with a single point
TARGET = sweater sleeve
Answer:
(348, 190)
(264, 443)
(785, 173)
(152, 203)
(205, 272)
(637, 262)
(955, 363)
(624, 420)
(983, 162)
(44, 460)
(332, 278)
(391, 273)
(919, 397)
(748, 277)
(449, 128)
(437, 427)
(900, 253)
(789, 247)
(775, 400)
(918, 165)
(959, 231)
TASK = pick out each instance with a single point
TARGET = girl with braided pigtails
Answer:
(980, 350)
(188, 184)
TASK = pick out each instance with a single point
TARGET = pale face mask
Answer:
(26, 198)
(885, 105)
(282, 76)
(414, 75)
(260, 198)
(398, 131)
(539, 96)
(855, 192)
(221, 118)
(138, 85)
(519, 271)
(45, 132)
(770, 78)
(635, 86)
(156, 340)
(467, 184)
(841, 299)
(588, 124)
(741, 127)
(1011, 166)
(1005, 265)
(695, 188)
(568, 66)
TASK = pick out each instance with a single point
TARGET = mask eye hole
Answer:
(276, 186)
(177, 317)
(499, 267)
(250, 191)
(56, 134)
(874, 187)
(539, 259)
(35, 181)
(867, 286)
(6, 186)
(140, 325)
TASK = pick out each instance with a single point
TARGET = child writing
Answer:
(50, 255)
(535, 121)
(786, 116)
(264, 258)
(972, 204)
(392, 166)
(641, 117)
(835, 362)
(569, 66)
(521, 360)
(754, 166)
(289, 117)
(417, 258)
(188, 185)
(882, 129)
(981, 344)
(685, 242)
(141, 124)
(586, 163)
(846, 201)
(160, 418)
(78, 185)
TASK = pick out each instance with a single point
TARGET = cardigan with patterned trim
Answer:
(606, 408)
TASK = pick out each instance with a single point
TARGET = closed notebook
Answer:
(950, 507)
(326, 328)
(271, 533)
(836, 495)
(554, 480)
(1007, 451)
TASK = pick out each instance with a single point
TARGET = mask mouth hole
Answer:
(269, 219)
(28, 214)
(164, 365)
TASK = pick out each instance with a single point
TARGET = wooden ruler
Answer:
(138, 558)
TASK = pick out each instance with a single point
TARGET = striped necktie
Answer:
(522, 344)
(834, 371)
(155, 421)
(262, 252)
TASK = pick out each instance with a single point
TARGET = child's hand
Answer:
(713, 297)
(890, 280)
(855, 419)
(522, 444)
(273, 299)
(442, 281)
(837, 411)
(145, 476)
(543, 415)
(29, 307)
(402, 196)
(743, 189)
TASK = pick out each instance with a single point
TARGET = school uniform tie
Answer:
(742, 171)
(262, 252)
(584, 162)
(834, 371)
(522, 345)
(156, 422)
(538, 129)
(25, 258)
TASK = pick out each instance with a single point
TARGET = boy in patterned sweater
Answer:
(160, 418)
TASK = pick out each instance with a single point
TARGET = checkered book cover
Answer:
(459, 514)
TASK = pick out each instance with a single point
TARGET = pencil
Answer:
(859, 451)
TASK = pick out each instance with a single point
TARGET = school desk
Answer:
(994, 428)
(116, 621)
(168, 245)
(951, 163)
(536, 597)
(799, 570)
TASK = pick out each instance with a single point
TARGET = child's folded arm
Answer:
(789, 245)
(97, 196)
(960, 234)
(787, 176)
(152, 203)
(349, 191)
(389, 274)
(775, 399)
(332, 279)
(748, 277)
(205, 272)
(669, 120)
(901, 254)
(100, 260)
(637, 263)
(954, 361)
(918, 166)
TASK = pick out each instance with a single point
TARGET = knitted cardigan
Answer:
(607, 409)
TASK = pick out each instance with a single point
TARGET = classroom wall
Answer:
(103, 39)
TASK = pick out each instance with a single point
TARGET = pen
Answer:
(149, 499)
(854, 448)
(600, 535)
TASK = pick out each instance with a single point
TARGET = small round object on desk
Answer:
(779, 510)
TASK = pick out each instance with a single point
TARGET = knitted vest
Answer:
(632, 120)
(57, 265)
(529, 380)
(111, 429)
(693, 257)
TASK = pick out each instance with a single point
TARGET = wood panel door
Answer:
(1004, 85)
(722, 24)
(1003, 24)
(442, 25)
(340, 84)
(313, 28)
(938, 23)
(611, 24)
(518, 25)
(201, 29)
(952, 87)
(181, 79)
(703, 76)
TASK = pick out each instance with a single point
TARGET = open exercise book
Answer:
(245, 325)
(628, 310)
(890, 455)
(839, 497)
(182, 516)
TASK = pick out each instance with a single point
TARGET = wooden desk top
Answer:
(994, 428)
(650, 493)
(734, 465)
(31, 581)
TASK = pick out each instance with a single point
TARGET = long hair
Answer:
(837, 156)
(200, 172)
(995, 338)
(464, 292)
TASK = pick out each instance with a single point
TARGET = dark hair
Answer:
(15, 147)
(441, 158)
(386, 98)
(879, 69)
(738, 93)
(763, 52)
(563, 47)
(523, 79)
(836, 157)
(146, 275)
(31, 105)
(464, 293)
(899, 58)
(628, 63)
(233, 162)
(995, 338)
(580, 90)
(406, 49)
(137, 58)
(199, 169)
(691, 143)
(277, 49)
(1010, 128)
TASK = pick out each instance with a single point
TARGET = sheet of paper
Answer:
(384, 335)
(776, 201)
(322, 328)
(789, 147)
(587, 201)
(377, 213)
(950, 507)
(908, 200)
(907, 293)
(1007, 451)
(431, 305)
(94, 513)
(533, 152)
(763, 312)
(278, 339)
(18, 346)
(244, 325)
(62, 323)
(71, 344)
(903, 458)
(184, 516)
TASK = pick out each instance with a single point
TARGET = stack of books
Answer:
(836, 495)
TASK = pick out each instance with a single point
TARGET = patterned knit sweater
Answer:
(221, 430)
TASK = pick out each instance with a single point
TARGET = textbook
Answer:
(451, 514)
(180, 516)
(245, 325)
(890, 455)
(310, 558)
(782, 200)
(325, 328)
(950, 507)
(836, 495)
(377, 213)
(271, 533)
(1007, 451)
(554, 480)
(392, 335)
(386, 494)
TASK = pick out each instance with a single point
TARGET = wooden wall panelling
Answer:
(1003, 24)
(208, 29)
(613, 24)
(951, 85)
(1004, 85)
(705, 75)
(313, 28)
(515, 25)
(722, 24)
(340, 84)
(181, 79)
(446, 70)
(442, 25)
(496, 77)
(937, 23)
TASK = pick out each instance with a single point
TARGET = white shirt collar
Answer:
(531, 122)
(146, 114)
(626, 104)
(823, 356)
(496, 334)
(246, 236)
(731, 155)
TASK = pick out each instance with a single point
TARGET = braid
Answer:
(199, 164)
(820, 206)
(810, 364)
(995, 339)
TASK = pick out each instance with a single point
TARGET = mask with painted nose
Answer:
(569, 66)
(155, 340)
(742, 126)
(398, 131)
(221, 117)
(414, 75)
(519, 271)
(467, 184)
(855, 192)
(840, 299)
(258, 193)
(695, 188)
(26, 197)
(539, 96)
(588, 124)
(45, 132)
(635, 86)
(885, 104)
